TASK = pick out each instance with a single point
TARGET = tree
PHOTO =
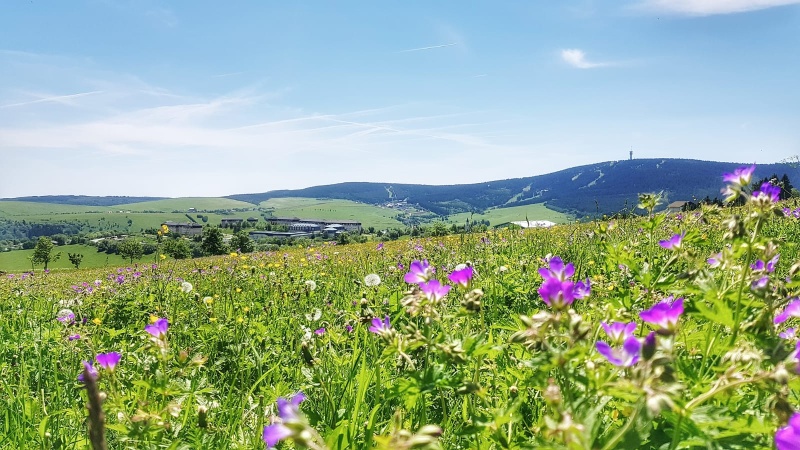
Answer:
(177, 248)
(786, 187)
(212, 243)
(43, 252)
(75, 259)
(130, 249)
(241, 241)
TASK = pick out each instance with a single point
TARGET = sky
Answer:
(209, 98)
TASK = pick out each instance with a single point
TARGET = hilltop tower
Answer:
(631, 153)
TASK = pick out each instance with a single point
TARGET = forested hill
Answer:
(85, 200)
(606, 187)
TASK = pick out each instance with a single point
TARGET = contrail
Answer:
(428, 48)
(51, 99)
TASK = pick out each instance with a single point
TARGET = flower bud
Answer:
(649, 347)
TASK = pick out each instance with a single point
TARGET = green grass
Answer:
(502, 215)
(19, 260)
(184, 203)
(308, 208)
(19, 210)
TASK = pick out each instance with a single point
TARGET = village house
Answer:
(679, 206)
(231, 223)
(347, 225)
(184, 229)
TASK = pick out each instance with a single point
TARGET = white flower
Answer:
(372, 280)
(186, 287)
(313, 317)
(311, 285)
(461, 266)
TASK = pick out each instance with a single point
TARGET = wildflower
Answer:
(788, 334)
(626, 356)
(768, 191)
(73, 337)
(664, 314)
(186, 287)
(791, 310)
(557, 290)
(380, 326)
(372, 280)
(108, 360)
(619, 332)
(380, 246)
(672, 243)
(760, 283)
(161, 257)
(768, 266)
(311, 285)
(97, 321)
(419, 272)
(65, 316)
(349, 328)
(320, 331)
(557, 269)
(715, 260)
(208, 300)
(289, 412)
(740, 176)
(90, 370)
(788, 437)
(158, 329)
(434, 290)
(120, 279)
(461, 276)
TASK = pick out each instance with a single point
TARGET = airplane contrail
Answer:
(51, 99)
(428, 48)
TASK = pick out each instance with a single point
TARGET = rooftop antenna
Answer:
(631, 153)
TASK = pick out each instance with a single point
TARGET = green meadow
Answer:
(19, 260)
(499, 216)
(368, 215)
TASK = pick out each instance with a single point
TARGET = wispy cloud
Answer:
(428, 48)
(577, 58)
(63, 99)
(710, 7)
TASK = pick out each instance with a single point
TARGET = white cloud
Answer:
(711, 7)
(577, 58)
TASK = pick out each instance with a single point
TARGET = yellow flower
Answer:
(208, 300)
(97, 321)
(239, 320)
(162, 256)
(153, 318)
(165, 228)
(246, 309)
(234, 254)
(212, 319)
(238, 290)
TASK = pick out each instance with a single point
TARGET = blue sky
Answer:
(208, 98)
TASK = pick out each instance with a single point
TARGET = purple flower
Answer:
(434, 290)
(320, 331)
(768, 190)
(349, 328)
(419, 272)
(90, 370)
(673, 243)
(275, 433)
(289, 410)
(788, 437)
(788, 334)
(380, 246)
(158, 329)
(715, 260)
(461, 277)
(768, 266)
(760, 283)
(626, 356)
(791, 310)
(120, 279)
(740, 176)
(664, 314)
(380, 327)
(108, 360)
(73, 337)
(557, 270)
(65, 316)
(619, 332)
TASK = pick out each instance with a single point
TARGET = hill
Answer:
(600, 188)
(85, 200)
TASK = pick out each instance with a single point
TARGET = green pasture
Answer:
(497, 216)
(19, 260)
(21, 210)
(308, 208)
(184, 203)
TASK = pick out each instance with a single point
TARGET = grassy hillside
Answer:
(184, 203)
(307, 208)
(19, 260)
(15, 209)
(497, 216)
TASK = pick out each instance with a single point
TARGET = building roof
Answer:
(534, 223)
(677, 204)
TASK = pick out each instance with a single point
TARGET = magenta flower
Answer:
(419, 272)
(320, 331)
(73, 337)
(158, 329)
(65, 316)
(557, 270)
(626, 356)
(275, 433)
(108, 361)
(349, 328)
(434, 290)
(664, 314)
(90, 369)
(380, 327)
(619, 332)
(380, 246)
(791, 310)
(768, 266)
(788, 437)
(461, 277)
(760, 283)
(788, 334)
(715, 260)
(768, 190)
(740, 176)
(673, 243)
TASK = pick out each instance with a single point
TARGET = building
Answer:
(347, 225)
(184, 229)
(528, 224)
(680, 206)
(255, 235)
(231, 223)
(305, 227)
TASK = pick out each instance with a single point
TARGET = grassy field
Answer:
(307, 208)
(20, 210)
(502, 215)
(19, 260)
(184, 203)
